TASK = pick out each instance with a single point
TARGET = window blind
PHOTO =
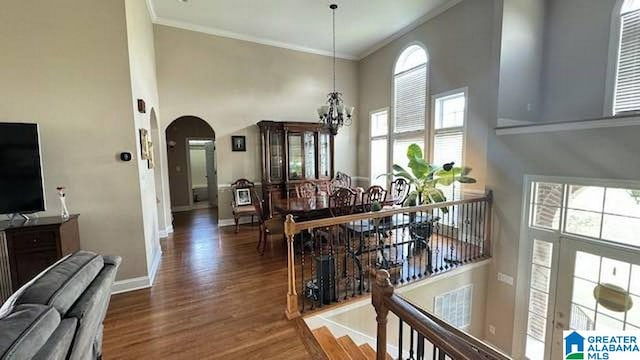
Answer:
(410, 93)
(627, 96)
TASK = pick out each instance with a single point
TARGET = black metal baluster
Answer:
(420, 347)
(478, 228)
(314, 271)
(485, 225)
(302, 292)
(411, 345)
(400, 340)
(465, 234)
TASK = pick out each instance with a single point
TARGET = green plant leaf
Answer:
(414, 152)
(399, 171)
(419, 167)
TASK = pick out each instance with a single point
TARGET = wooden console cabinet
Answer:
(293, 152)
(34, 245)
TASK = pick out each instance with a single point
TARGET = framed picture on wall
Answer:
(243, 197)
(238, 143)
(144, 144)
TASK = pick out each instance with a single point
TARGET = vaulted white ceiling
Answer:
(361, 25)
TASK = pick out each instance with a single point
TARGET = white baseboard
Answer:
(154, 266)
(138, 283)
(126, 285)
(163, 233)
(232, 222)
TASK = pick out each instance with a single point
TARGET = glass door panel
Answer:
(309, 155)
(325, 155)
(296, 160)
(597, 288)
(276, 154)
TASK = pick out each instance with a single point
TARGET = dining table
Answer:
(316, 207)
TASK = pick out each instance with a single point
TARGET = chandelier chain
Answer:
(334, 50)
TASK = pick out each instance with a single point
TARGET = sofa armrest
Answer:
(112, 260)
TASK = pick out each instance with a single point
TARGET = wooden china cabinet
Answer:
(293, 152)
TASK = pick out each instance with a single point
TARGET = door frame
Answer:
(189, 183)
(525, 252)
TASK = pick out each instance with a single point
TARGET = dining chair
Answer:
(399, 191)
(342, 202)
(306, 190)
(268, 226)
(237, 209)
(375, 193)
(343, 179)
(325, 187)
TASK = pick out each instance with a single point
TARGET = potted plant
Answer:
(426, 178)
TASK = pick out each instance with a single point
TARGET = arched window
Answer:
(626, 96)
(409, 101)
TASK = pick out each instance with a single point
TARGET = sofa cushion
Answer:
(26, 330)
(63, 284)
(90, 310)
(58, 345)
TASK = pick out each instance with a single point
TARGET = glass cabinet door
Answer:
(295, 157)
(309, 155)
(325, 155)
(276, 155)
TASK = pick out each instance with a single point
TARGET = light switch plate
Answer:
(505, 279)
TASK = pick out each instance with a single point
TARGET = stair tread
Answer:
(350, 347)
(330, 344)
(368, 351)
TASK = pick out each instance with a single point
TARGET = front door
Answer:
(584, 261)
(595, 279)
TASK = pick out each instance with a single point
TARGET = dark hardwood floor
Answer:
(214, 297)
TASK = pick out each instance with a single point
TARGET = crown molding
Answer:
(407, 29)
(264, 41)
(152, 11)
(232, 35)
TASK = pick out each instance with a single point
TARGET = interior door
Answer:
(588, 268)
(212, 173)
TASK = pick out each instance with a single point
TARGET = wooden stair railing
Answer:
(332, 260)
(446, 341)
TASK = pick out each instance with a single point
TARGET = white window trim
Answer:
(615, 34)
(525, 248)
(387, 136)
(432, 126)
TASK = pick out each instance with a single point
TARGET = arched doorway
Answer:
(191, 153)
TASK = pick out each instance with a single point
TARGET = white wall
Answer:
(575, 59)
(521, 58)
(601, 153)
(64, 65)
(144, 86)
(463, 51)
(233, 84)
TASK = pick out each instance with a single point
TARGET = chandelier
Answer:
(335, 114)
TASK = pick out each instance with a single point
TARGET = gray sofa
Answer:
(60, 314)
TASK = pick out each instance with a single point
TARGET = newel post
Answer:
(382, 289)
(292, 310)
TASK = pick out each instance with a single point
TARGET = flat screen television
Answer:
(21, 187)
